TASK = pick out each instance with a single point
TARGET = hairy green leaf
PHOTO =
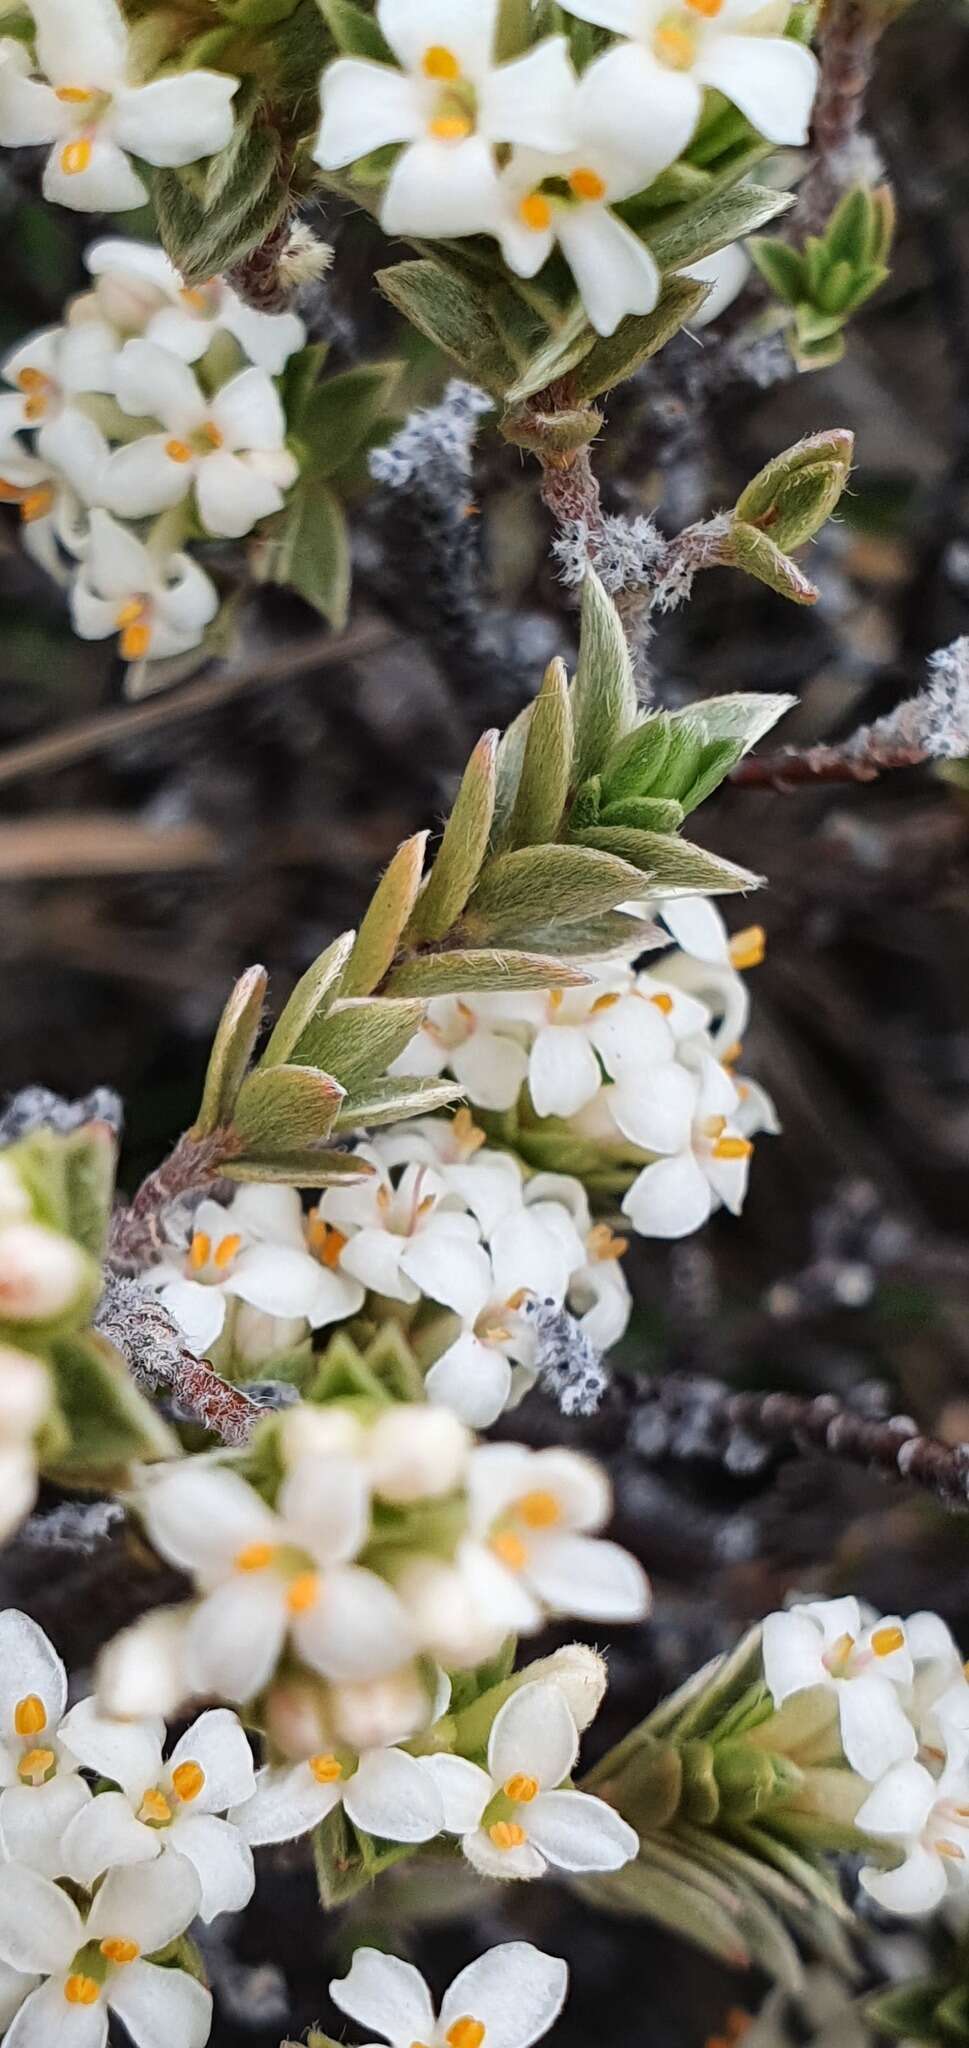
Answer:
(547, 764)
(284, 1109)
(494, 968)
(462, 850)
(232, 1050)
(539, 885)
(308, 1005)
(604, 703)
(363, 1035)
(389, 913)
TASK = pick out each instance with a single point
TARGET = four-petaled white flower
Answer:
(265, 1577)
(508, 1998)
(139, 292)
(928, 1819)
(533, 1252)
(385, 1792)
(406, 1241)
(231, 446)
(450, 103)
(97, 1966)
(582, 1032)
(688, 1113)
(823, 1643)
(96, 115)
(457, 1035)
(158, 605)
(676, 48)
(50, 372)
(163, 1806)
(513, 1818)
(488, 1183)
(535, 1514)
(42, 1789)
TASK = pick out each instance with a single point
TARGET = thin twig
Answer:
(159, 1361)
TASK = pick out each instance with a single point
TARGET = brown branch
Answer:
(155, 1353)
(848, 39)
(931, 726)
(136, 1237)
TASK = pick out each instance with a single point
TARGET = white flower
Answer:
(567, 199)
(50, 372)
(456, 1035)
(450, 104)
(928, 1819)
(512, 1818)
(385, 1792)
(715, 978)
(688, 1115)
(508, 1998)
(135, 1914)
(677, 48)
(486, 1182)
(534, 1514)
(41, 1273)
(96, 115)
(42, 1790)
(939, 1701)
(254, 1252)
(231, 446)
(532, 1253)
(599, 1292)
(408, 1452)
(406, 1241)
(139, 292)
(267, 1577)
(823, 1643)
(25, 1394)
(141, 1672)
(610, 1025)
(163, 1806)
(159, 607)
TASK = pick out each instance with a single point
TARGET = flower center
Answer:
(178, 451)
(212, 434)
(587, 184)
(675, 42)
(200, 1250)
(80, 1990)
(442, 64)
(521, 1789)
(465, 2033)
(951, 1849)
(539, 1510)
(38, 390)
(188, 1780)
(37, 1766)
(116, 1950)
(453, 115)
(747, 948)
(602, 1243)
(155, 1810)
(325, 1242)
(326, 1769)
(30, 1715)
(506, 1834)
(133, 623)
(662, 1002)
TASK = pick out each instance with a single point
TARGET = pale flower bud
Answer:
(417, 1453)
(298, 1721)
(15, 1203)
(258, 1338)
(447, 1622)
(375, 1713)
(323, 1432)
(24, 1394)
(41, 1273)
(142, 1672)
(580, 1673)
(18, 1486)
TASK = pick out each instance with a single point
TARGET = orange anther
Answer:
(76, 157)
(30, 1716)
(188, 1780)
(587, 184)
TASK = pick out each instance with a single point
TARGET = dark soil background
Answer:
(146, 855)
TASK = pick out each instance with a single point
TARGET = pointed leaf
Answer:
(497, 969)
(462, 849)
(538, 885)
(453, 314)
(309, 1002)
(744, 715)
(547, 765)
(313, 1169)
(362, 1036)
(284, 1109)
(391, 1101)
(389, 913)
(231, 1051)
(669, 865)
(710, 225)
(636, 339)
(604, 702)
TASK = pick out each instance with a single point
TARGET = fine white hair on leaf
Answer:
(944, 704)
(435, 445)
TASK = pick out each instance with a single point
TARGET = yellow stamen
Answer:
(81, 1991)
(188, 1781)
(32, 380)
(255, 1557)
(193, 299)
(714, 1126)
(226, 1251)
(836, 1659)
(214, 434)
(30, 1716)
(451, 127)
(303, 1593)
(733, 1053)
(424, 1208)
(663, 1003)
(34, 1768)
(604, 1003)
(467, 1135)
(465, 2033)
(74, 95)
(36, 407)
(539, 1510)
(76, 158)
(535, 212)
(556, 999)
(708, 8)
(885, 1640)
(37, 504)
(521, 1789)
(115, 1950)
(518, 1299)
(506, 1834)
(587, 184)
(747, 948)
(178, 451)
(674, 46)
(602, 1243)
(732, 1148)
(952, 1850)
(129, 614)
(326, 1769)
(441, 63)
(509, 1549)
(333, 1244)
(200, 1250)
(135, 642)
(155, 1810)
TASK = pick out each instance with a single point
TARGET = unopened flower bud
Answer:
(15, 1202)
(323, 1432)
(417, 1453)
(791, 498)
(375, 1713)
(447, 1623)
(298, 1718)
(18, 1486)
(41, 1273)
(142, 1672)
(257, 1338)
(580, 1673)
(24, 1394)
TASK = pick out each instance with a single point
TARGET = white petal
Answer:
(182, 332)
(466, 27)
(669, 1199)
(275, 1278)
(106, 1835)
(222, 1861)
(532, 100)
(915, 1887)
(80, 46)
(654, 1107)
(217, 1743)
(176, 120)
(373, 1258)
(47, 2021)
(29, 1664)
(325, 1501)
(142, 478)
(463, 1788)
(875, 1732)
(161, 2008)
(473, 1379)
(233, 496)
(337, 1297)
(578, 1484)
(40, 1927)
(515, 1991)
(600, 1295)
(534, 1733)
(127, 1752)
(576, 1832)
(14, 1987)
(234, 1639)
(390, 1796)
(490, 1184)
(149, 381)
(386, 1996)
(772, 80)
(441, 188)
(728, 1177)
(108, 183)
(614, 271)
(201, 1517)
(563, 1072)
(490, 1068)
(248, 412)
(929, 1638)
(358, 1628)
(726, 272)
(365, 106)
(635, 116)
(793, 1653)
(268, 339)
(835, 1618)
(900, 1803)
(514, 1864)
(583, 1576)
(697, 927)
(149, 1904)
(34, 1821)
(77, 449)
(630, 1035)
(30, 111)
(117, 563)
(449, 1269)
(624, 16)
(285, 1805)
(199, 1311)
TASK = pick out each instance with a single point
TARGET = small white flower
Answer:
(450, 103)
(41, 1273)
(96, 115)
(25, 1394)
(823, 1643)
(599, 1292)
(407, 1453)
(689, 1115)
(508, 1998)
(42, 1791)
(679, 47)
(457, 1036)
(532, 1252)
(406, 1241)
(139, 292)
(267, 1577)
(135, 1914)
(386, 1793)
(230, 447)
(141, 1672)
(534, 1514)
(939, 1702)
(716, 979)
(163, 1806)
(928, 1819)
(485, 1182)
(512, 1818)
(50, 372)
(158, 607)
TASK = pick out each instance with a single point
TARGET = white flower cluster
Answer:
(902, 1699)
(42, 1274)
(571, 149)
(508, 1998)
(108, 421)
(642, 1065)
(442, 1229)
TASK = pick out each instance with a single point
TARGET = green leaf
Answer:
(716, 760)
(646, 813)
(728, 217)
(308, 1005)
(604, 703)
(781, 268)
(355, 31)
(636, 763)
(508, 768)
(363, 1035)
(909, 2010)
(668, 866)
(286, 1109)
(453, 314)
(109, 1423)
(391, 1101)
(539, 885)
(755, 553)
(792, 496)
(89, 1161)
(307, 549)
(559, 355)
(206, 233)
(594, 938)
(547, 764)
(232, 1050)
(462, 850)
(617, 356)
(744, 715)
(390, 912)
(676, 1899)
(339, 414)
(313, 1169)
(494, 969)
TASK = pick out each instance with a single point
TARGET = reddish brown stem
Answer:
(136, 1237)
